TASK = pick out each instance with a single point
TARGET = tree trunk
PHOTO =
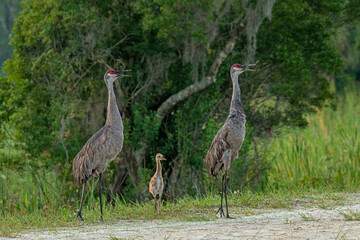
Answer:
(174, 177)
(125, 166)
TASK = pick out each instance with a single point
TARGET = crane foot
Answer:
(79, 215)
(221, 211)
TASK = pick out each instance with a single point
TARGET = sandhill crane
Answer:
(156, 184)
(227, 142)
(103, 146)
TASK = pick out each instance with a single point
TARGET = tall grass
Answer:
(23, 191)
(327, 152)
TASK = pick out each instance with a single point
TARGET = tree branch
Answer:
(206, 81)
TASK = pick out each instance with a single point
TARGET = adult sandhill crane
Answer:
(227, 142)
(103, 146)
(156, 184)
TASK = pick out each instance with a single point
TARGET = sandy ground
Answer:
(311, 223)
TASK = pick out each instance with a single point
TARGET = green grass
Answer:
(350, 215)
(307, 217)
(198, 208)
(29, 189)
(327, 152)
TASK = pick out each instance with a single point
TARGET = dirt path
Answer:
(312, 223)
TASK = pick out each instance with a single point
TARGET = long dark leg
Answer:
(81, 203)
(221, 210)
(227, 210)
(100, 193)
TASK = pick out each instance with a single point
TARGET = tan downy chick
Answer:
(156, 185)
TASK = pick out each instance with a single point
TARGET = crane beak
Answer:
(120, 73)
(247, 67)
(162, 158)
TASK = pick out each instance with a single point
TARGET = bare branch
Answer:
(8, 133)
(206, 81)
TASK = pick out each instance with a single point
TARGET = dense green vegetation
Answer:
(53, 98)
(325, 153)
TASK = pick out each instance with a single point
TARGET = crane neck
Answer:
(113, 115)
(236, 103)
(158, 168)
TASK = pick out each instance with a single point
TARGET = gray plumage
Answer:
(104, 145)
(227, 142)
(98, 151)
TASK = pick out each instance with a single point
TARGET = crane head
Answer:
(242, 68)
(159, 156)
(112, 75)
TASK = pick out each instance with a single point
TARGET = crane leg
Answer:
(100, 193)
(221, 210)
(159, 203)
(225, 188)
(155, 203)
(81, 203)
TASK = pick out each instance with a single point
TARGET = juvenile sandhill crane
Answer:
(156, 184)
(103, 146)
(227, 142)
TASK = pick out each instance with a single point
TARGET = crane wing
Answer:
(214, 157)
(90, 156)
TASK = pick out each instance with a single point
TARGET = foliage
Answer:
(296, 51)
(346, 40)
